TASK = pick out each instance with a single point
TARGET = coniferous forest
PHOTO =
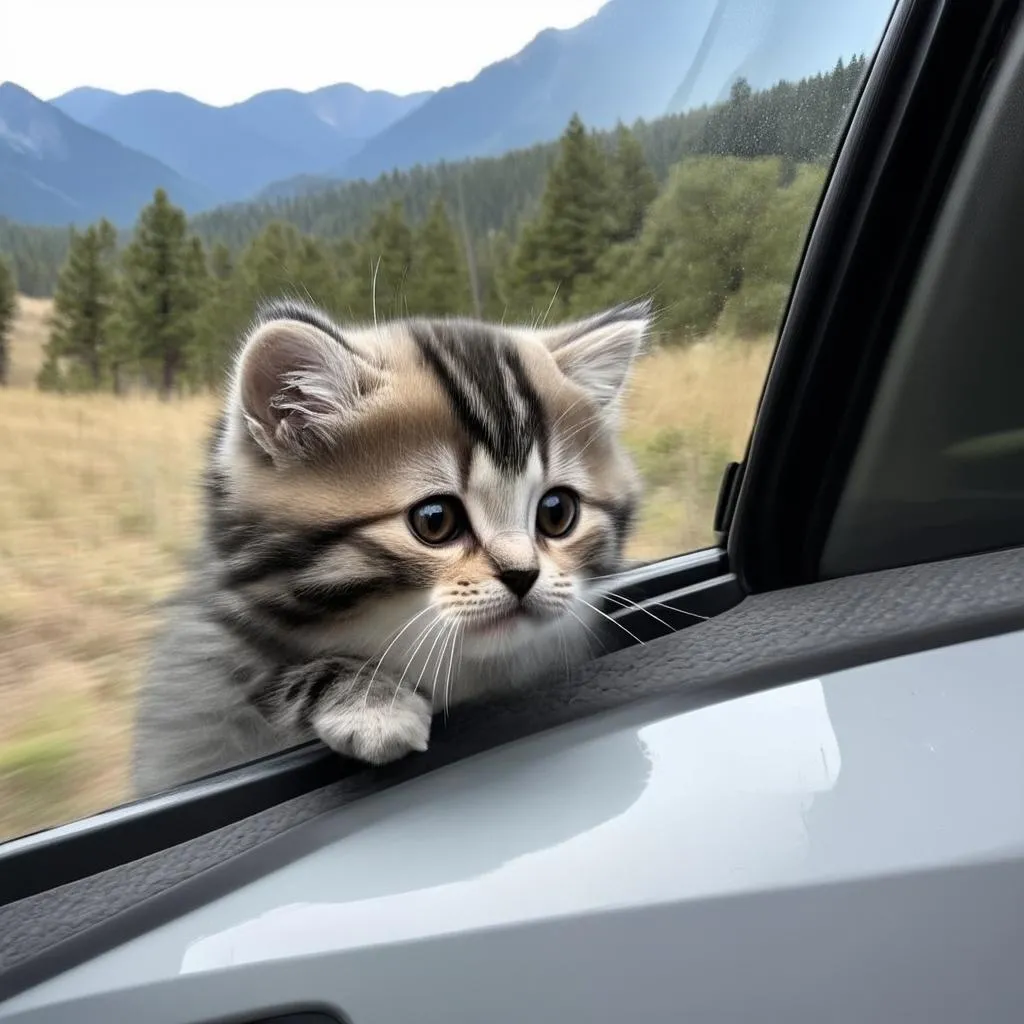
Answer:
(705, 212)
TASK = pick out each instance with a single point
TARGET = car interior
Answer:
(876, 513)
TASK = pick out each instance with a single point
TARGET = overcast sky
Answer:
(221, 51)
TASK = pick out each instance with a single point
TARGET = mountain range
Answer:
(633, 59)
(54, 170)
(91, 152)
(235, 151)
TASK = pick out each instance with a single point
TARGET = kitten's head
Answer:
(468, 471)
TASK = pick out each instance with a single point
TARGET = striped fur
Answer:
(312, 608)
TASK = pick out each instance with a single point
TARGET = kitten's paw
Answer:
(377, 733)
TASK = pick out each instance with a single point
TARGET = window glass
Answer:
(532, 163)
(939, 471)
(949, 477)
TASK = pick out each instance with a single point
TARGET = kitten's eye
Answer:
(557, 512)
(437, 520)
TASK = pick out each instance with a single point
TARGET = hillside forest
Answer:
(705, 212)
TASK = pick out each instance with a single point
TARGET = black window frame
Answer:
(939, 469)
(924, 90)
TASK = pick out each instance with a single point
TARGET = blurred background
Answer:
(162, 169)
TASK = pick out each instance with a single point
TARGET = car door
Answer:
(791, 793)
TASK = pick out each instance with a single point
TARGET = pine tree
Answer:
(34, 254)
(197, 273)
(122, 355)
(8, 307)
(346, 257)
(221, 264)
(199, 363)
(315, 275)
(158, 298)
(633, 186)
(439, 285)
(495, 255)
(573, 228)
(219, 321)
(82, 306)
(268, 266)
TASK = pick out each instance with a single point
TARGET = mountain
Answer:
(309, 120)
(234, 151)
(54, 170)
(633, 59)
(85, 103)
(797, 121)
(198, 141)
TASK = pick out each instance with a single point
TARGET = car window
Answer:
(533, 164)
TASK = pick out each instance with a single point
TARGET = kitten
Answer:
(397, 518)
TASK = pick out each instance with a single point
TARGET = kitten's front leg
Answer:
(355, 714)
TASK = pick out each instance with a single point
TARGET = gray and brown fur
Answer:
(312, 608)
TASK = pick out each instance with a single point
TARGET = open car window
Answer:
(683, 159)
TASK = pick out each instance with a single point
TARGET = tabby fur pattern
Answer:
(398, 518)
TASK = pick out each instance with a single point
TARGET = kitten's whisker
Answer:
(565, 648)
(451, 664)
(584, 624)
(607, 576)
(590, 441)
(421, 635)
(681, 611)
(547, 312)
(565, 412)
(581, 427)
(612, 621)
(608, 596)
(418, 642)
(373, 287)
(397, 636)
(584, 423)
(376, 668)
(391, 636)
(627, 603)
(430, 654)
(446, 631)
(440, 658)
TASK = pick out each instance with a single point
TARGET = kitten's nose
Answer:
(519, 581)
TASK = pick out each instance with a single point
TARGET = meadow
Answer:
(98, 507)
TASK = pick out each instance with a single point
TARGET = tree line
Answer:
(713, 240)
(165, 312)
(798, 122)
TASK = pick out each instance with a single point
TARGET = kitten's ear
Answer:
(298, 388)
(598, 353)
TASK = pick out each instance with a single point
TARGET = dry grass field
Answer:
(98, 504)
(31, 328)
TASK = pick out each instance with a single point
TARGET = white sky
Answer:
(221, 51)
